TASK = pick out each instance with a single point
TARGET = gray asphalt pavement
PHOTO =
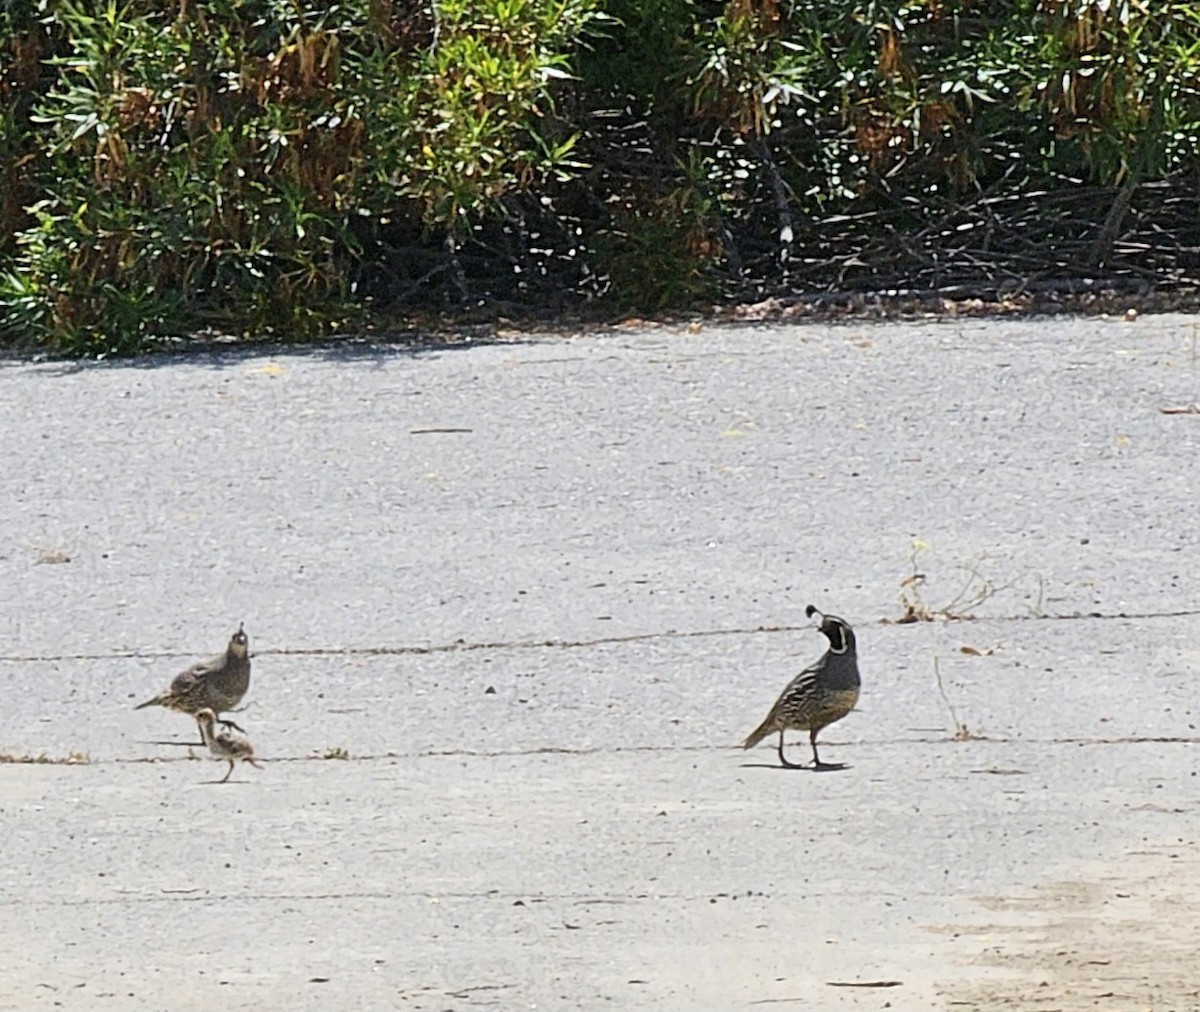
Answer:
(513, 607)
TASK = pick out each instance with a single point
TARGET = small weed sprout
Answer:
(976, 588)
(961, 731)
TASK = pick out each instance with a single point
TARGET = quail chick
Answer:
(217, 684)
(822, 693)
(225, 744)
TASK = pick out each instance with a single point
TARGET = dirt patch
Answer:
(1122, 936)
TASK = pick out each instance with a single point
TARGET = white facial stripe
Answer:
(840, 642)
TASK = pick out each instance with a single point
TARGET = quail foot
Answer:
(822, 693)
(225, 744)
(217, 684)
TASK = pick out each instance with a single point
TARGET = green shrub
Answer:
(244, 166)
(950, 95)
(1120, 82)
(218, 165)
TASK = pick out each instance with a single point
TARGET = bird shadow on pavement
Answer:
(828, 768)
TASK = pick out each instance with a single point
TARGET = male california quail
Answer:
(218, 683)
(224, 744)
(822, 693)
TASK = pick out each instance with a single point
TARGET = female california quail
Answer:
(822, 693)
(225, 744)
(218, 683)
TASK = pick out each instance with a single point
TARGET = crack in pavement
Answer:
(559, 644)
(946, 739)
(176, 896)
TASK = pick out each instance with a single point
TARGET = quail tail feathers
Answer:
(768, 726)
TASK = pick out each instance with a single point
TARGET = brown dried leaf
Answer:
(976, 652)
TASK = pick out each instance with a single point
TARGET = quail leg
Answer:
(230, 723)
(817, 764)
(227, 774)
(783, 760)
